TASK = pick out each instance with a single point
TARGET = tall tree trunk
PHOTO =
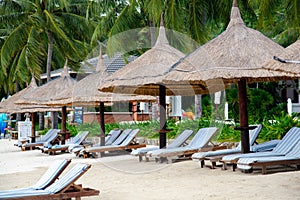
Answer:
(49, 57)
(54, 118)
(41, 117)
(19, 115)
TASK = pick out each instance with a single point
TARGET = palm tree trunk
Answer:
(49, 57)
(54, 118)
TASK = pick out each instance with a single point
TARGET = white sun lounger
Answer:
(179, 141)
(47, 179)
(291, 158)
(199, 143)
(283, 147)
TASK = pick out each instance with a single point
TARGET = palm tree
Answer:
(280, 20)
(201, 20)
(39, 29)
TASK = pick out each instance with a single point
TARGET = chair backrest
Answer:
(68, 178)
(114, 134)
(253, 134)
(295, 152)
(130, 137)
(53, 135)
(80, 137)
(122, 137)
(50, 133)
(291, 138)
(180, 139)
(202, 137)
(51, 174)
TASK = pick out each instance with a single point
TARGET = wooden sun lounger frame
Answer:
(264, 165)
(32, 146)
(70, 191)
(133, 145)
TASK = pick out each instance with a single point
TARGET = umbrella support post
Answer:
(102, 126)
(33, 127)
(162, 116)
(242, 91)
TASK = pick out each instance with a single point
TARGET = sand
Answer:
(124, 177)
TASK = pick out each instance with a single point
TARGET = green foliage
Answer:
(229, 134)
(277, 128)
(260, 102)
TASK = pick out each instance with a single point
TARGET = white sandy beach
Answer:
(123, 177)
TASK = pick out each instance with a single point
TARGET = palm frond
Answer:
(14, 43)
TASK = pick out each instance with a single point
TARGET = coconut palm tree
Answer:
(41, 33)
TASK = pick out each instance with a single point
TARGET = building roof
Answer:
(87, 67)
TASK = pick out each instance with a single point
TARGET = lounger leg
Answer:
(224, 166)
(213, 165)
(202, 163)
(298, 167)
(264, 170)
(147, 159)
(234, 167)
(140, 158)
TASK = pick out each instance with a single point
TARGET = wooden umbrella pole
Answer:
(244, 128)
(32, 127)
(162, 114)
(102, 124)
(64, 124)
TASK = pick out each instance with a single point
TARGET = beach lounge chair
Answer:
(291, 158)
(109, 139)
(199, 143)
(75, 141)
(291, 138)
(112, 136)
(63, 188)
(47, 139)
(127, 143)
(47, 179)
(84, 152)
(179, 141)
(214, 156)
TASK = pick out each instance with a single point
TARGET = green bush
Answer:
(278, 126)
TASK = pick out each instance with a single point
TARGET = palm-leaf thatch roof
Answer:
(235, 54)
(85, 92)
(50, 90)
(9, 106)
(291, 53)
(144, 75)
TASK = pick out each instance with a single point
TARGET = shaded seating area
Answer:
(215, 156)
(179, 141)
(126, 141)
(291, 138)
(75, 142)
(63, 188)
(49, 177)
(291, 158)
(200, 142)
(47, 140)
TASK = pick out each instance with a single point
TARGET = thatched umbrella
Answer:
(234, 56)
(288, 61)
(144, 76)
(10, 106)
(85, 93)
(49, 91)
